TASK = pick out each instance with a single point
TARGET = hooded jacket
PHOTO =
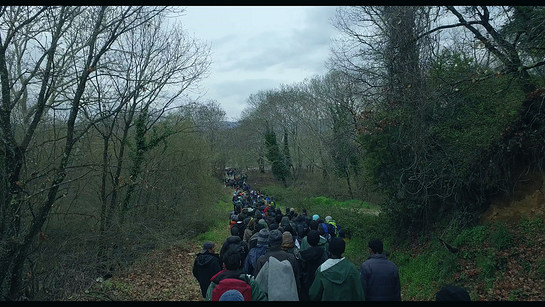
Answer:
(205, 266)
(253, 255)
(337, 280)
(322, 244)
(310, 259)
(280, 255)
(380, 279)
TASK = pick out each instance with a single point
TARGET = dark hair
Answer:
(313, 225)
(290, 229)
(234, 231)
(232, 258)
(376, 246)
(313, 237)
(336, 246)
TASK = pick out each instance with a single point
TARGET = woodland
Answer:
(429, 112)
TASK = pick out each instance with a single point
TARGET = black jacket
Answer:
(205, 266)
(310, 259)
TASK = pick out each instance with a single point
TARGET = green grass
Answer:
(219, 230)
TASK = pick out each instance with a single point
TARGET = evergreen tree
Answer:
(275, 157)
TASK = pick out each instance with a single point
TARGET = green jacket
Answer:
(337, 280)
(322, 243)
(257, 294)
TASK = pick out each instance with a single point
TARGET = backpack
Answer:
(238, 284)
(327, 235)
(332, 228)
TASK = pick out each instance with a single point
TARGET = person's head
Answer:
(336, 247)
(452, 293)
(285, 221)
(315, 217)
(231, 295)
(273, 226)
(275, 238)
(232, 258)
(263, 237)
(208, 247)
(313, 225)
(328, 218)
(375, 245)
(234, 231)
(313, 237)
(287, 239)
(290, 230)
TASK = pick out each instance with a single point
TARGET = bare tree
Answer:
(63, 47)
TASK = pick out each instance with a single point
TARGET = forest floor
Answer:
(166, 275)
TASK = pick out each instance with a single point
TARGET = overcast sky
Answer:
(257, 48)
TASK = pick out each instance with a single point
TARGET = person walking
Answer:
(379, 276)
(206, 265)
(232, 278)
(272, 283)
(337, 279)
(255, 252)
(313, 225)
(310, 259)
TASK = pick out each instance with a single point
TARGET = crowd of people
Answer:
(286, 256)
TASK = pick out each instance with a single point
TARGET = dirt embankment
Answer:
(527, 199)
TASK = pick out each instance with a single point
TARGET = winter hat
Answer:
(313, 237)
(275, 238)
(287, 239)
(336, 246)
(263, 236)
(328, 218)
(273, 226)
(206, 246)
(231, 295)
(263, 222)
(315, 217)
(452, 293)
(285, 221)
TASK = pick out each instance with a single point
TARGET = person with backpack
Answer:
(206, 264)
(322, 242)
(333, 228)
(337, 279)
(232, 278)
(234, 240)
(310, 259)
(277, 272)
(255, 252)
(379, 276)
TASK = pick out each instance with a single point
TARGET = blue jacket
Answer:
(380, 279)
(251, 259)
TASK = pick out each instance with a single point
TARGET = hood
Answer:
(312, 254)
(204, 258)
(337, 275)
(226, 274)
